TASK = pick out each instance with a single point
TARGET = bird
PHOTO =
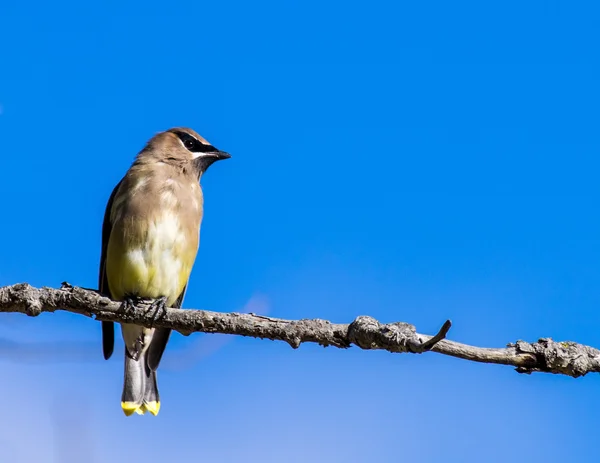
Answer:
(150, 239)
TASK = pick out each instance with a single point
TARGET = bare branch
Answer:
(545, 355)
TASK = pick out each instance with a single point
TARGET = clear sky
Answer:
(414, 161)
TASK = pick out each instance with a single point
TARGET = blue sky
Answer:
(413, 161)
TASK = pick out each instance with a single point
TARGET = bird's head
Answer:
(181, 147)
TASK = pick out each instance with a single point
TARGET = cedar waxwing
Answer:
(150, 238)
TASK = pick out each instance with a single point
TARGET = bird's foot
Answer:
(129, 304)
(158, 308)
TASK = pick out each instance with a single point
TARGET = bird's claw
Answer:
(128, 305)
(158, 308)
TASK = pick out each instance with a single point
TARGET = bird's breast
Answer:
(151, 257)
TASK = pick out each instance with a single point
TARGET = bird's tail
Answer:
(151, 398)
(140, 391)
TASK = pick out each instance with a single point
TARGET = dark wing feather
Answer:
(160, 338)
(108, 328)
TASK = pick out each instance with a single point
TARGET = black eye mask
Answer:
(193, 145)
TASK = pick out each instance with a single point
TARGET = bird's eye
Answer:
(189, 144)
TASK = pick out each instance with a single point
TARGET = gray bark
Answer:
(545, 355)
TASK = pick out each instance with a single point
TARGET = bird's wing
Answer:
(108, 329)
(161, 337)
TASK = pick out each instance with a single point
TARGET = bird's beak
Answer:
(204, 160)
(215, 155)
(222, 155)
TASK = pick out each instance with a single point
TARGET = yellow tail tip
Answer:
(129, 408)
(152, 407)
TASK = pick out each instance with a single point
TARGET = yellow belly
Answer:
(151, 259)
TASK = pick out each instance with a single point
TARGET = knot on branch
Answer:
(368, 333)
(24, 298)
(568, 358)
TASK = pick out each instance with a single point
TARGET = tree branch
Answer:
(545, 355)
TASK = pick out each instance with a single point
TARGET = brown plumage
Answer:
(149, 243)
